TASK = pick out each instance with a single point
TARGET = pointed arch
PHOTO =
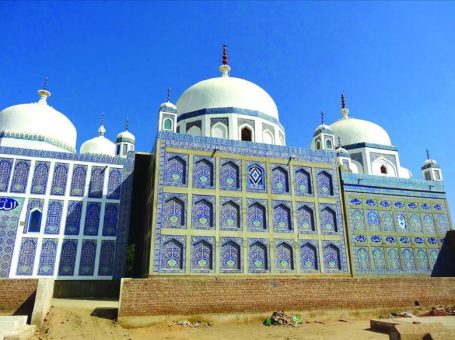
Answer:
(202, 256)
(176, 170)
(174, 212)
(203, 214)
(230, 176)
(230, 215)
(325, 183)
(257, 216)
(284, 256)
(332, 258)
(328, 220)
(230, 257)
(246, 133)
(280, 180)
(203, 173)
(282, 218)
(305, 218)
(172, 256)
(308, 257)
(219, 130)
(258, 260)
(303, 182)
(68, 258)
(267, 137)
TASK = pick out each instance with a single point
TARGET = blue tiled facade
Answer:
(230, 207)
(48, 224)
(395, 226)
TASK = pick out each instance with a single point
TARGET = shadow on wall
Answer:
(445, 264)
(26, 308)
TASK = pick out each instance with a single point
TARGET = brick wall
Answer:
(17, 293)
(191, 295)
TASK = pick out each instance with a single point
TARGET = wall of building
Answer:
(192, 295)
(230, 207)
(17, 292)
(395, 226)
(82, 205)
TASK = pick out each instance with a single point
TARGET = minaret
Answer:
(225, 68)
(124, 142)
(323, 137)
(431, 170)
(343, 158)
(167, 116)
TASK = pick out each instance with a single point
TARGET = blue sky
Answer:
(393, 60)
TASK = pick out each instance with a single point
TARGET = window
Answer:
(328, 144)
(246, 134)
(318, 145)
(125, 149)
(383, 169)
(34, 221)
(437, 175)
(167, 124)
(118, 149)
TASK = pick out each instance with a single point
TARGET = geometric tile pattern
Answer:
(47, 256)
(230, 214)
(59, 179)
(282, 218)
(202, 254)
(303, 181)
(88, 255)
(114, 184)
(54, 216)
(20, 176)
(231, 255)
(258, 257)
(78, 180)
(9, 221)
(39, 181)
(309, 256)
(325, 183)
(6, 165)
(73, 218)
(92, 218)
(26, 256)
(68, 257)
(96, 182)
(230, 174)
(280, 179)
(284, 256)
(203, 212)
(203, 172)
(106, 258)
(111, 212)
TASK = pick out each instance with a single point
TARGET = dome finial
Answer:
(225, 68)
(344, 109)
(102, 130)
(168, 94)
(44, 93)
(428, 154)
(126, 123)
(322, 118)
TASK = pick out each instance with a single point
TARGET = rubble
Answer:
(195, 324)
(283, 319)
(397, 315)
(441, 311)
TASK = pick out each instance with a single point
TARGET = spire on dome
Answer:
(428, 154)
(344, 109)
(102, 130)
(225, 68)
(126, 124)
(322, 118)
(44, 93)
(168, 94)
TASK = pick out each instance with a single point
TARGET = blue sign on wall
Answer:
(8, 203)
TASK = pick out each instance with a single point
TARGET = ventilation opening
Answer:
(246, 134)
(383, 170)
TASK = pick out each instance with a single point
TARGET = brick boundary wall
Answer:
(192, 295)
(16, 293)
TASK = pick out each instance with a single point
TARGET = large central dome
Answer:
(223, 92)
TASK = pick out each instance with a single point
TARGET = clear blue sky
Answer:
(395, 62)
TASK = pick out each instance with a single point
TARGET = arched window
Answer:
(34, 221)
(246, 134)
(383, 169)
(167, 124)
(318, 145)
(219, 130)
(328, 144)
(267, 137)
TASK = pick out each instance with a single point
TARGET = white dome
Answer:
(99, 145)
(126, 136)
(37, 126)
(353, 131)
(226, 92)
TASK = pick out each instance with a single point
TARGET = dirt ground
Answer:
(86, 320)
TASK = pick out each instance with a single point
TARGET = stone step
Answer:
(13, 322)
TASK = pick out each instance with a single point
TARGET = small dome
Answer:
(38, 126)
(353, 131)
(125, 136)
(322, 128)
(226, 91)
(430, 163)
(99, 145)
(168, 107)
(342, 152)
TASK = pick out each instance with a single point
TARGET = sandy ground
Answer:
(76, 319)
